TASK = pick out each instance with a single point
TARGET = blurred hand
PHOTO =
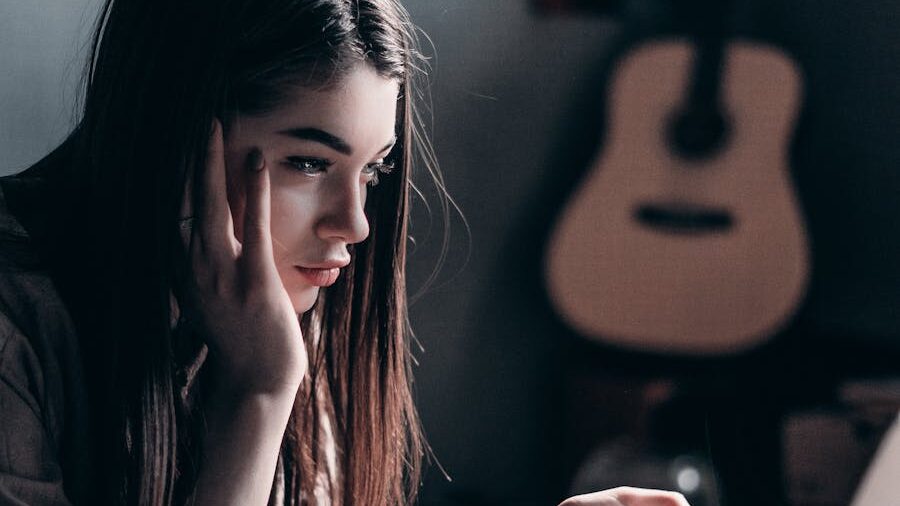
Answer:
(627, 496)
(235, 294)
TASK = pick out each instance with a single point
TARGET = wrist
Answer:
(234, 384)
(224, 406)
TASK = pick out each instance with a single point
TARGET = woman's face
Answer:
(321, 148)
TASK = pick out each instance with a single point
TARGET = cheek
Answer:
(291, 223)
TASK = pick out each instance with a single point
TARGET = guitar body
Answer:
(663, 253)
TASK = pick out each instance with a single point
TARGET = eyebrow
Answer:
(330, 140)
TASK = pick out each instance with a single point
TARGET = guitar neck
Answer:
(709, 24)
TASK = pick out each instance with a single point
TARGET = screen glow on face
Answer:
(325, 150)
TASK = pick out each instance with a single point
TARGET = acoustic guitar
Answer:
(685, 236)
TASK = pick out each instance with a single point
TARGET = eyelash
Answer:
(305, 164)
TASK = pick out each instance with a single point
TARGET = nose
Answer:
(344, 218)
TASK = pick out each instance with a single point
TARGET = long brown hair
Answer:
(161, 70)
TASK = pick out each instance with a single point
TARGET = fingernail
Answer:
(256, 161)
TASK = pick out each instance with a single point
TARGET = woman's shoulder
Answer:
(28, 297)
(34, 321)
(33, 318)
(41, 376)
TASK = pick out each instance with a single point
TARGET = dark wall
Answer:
(516, 101)
(42, 49)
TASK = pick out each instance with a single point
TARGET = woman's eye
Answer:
(372, 171)
(310, 166)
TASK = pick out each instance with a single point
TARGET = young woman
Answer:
(202, 296)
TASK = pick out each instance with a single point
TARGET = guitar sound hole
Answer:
(684, 218)
(699, 132)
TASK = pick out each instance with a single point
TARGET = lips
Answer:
(319, 276)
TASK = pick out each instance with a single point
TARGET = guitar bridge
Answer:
(687, 219)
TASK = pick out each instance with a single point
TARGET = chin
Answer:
(303, 300)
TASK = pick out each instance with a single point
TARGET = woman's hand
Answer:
(235, 294)
(256, 352)
(627, 496)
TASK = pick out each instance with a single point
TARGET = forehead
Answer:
(361, 104)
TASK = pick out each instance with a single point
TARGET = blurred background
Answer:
(526, 399)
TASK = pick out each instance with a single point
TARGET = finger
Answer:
(630, 496)
(257, 239)
(215, 222)
(595, 499)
